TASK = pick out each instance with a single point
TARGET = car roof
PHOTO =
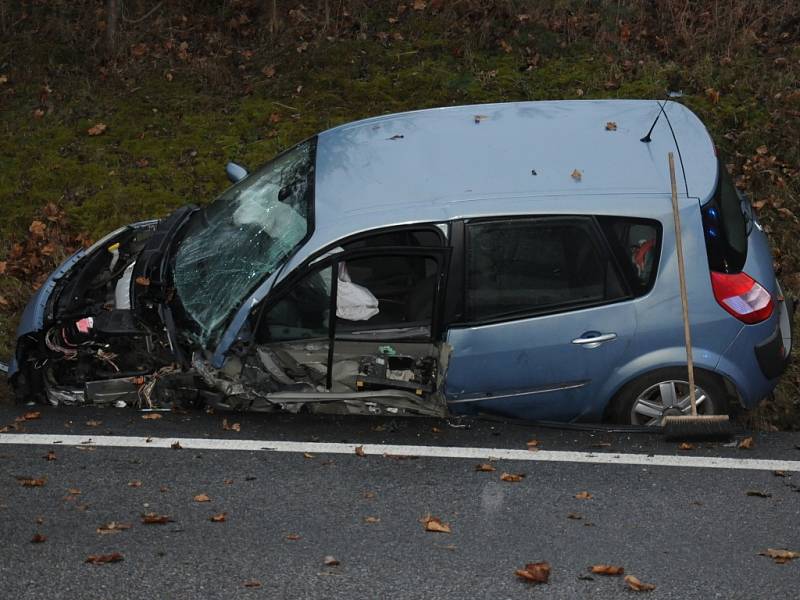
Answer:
(516, 158)
(438, 161)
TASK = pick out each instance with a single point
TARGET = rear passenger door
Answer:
(546, 317)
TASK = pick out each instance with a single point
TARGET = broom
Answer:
(694, 426)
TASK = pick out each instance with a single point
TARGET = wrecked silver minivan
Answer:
(515, 259)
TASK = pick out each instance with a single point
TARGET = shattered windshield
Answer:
(240, 238)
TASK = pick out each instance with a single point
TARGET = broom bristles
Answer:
(699, 428)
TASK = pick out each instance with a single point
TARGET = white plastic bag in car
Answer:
(354, 302)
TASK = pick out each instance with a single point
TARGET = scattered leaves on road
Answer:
(538, 572)
(331, 561)
(218, 518)
(31, 481)
(584, 495)
(97, 129)
(780, 555)
(38, 538)
(485, 468)
(155, 519)
(202, 498)
(101, 559)
(359, 450)
(610, 570)
(435, 525)
(153, 416)
(230, 426)
(372, 520)
(747, 443)
(112, 527)
(512, 477)
(638, 586)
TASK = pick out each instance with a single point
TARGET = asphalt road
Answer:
(693, 532)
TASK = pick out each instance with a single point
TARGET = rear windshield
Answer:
(725, 226)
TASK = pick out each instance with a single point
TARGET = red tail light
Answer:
(742, 296)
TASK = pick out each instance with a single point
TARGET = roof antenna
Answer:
(646, 139)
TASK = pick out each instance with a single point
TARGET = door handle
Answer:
(595, 340)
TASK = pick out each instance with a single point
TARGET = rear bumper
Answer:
(760, 354)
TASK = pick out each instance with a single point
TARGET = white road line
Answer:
(608, 458)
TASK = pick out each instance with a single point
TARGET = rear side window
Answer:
(636, 243)
(524, 266)
(725, 226)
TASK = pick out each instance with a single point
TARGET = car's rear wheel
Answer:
(651, 397)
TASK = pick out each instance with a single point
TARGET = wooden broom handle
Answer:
(687, 336)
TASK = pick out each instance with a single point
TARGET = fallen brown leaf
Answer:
(330, 561)
(747, 443)
(292, 537)
(372, 520)
(758, 494)
(101, 559)
(31, 482)
(202, 498)
(218, 518)
(135, 483)
(611, 570)
(38, 538)
(252, 583)
(686, 446)
(611, 126)
(143, 281)
(583, 496)
(780, 555)
(50, 456)
(538, 572)
(435, 525)
(574, 516)
(485, 468)
(151, 416)
(97, 129)
(308, 455)
(176, 446)
(780, 473)
(155, 519)
(360, 451)
(74, 491)
(533, 444)
(512, 477)
(268, 71)
(576, 175)
(31, 415)
(638, 586)
(230, 427)
(112, 527)
(93, 423)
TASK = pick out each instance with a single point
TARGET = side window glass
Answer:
(304, 312)
(637, 245)
(522, 266)
(385, 291)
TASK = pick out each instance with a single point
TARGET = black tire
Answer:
(716, 400)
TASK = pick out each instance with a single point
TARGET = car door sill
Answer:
(570, 385)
